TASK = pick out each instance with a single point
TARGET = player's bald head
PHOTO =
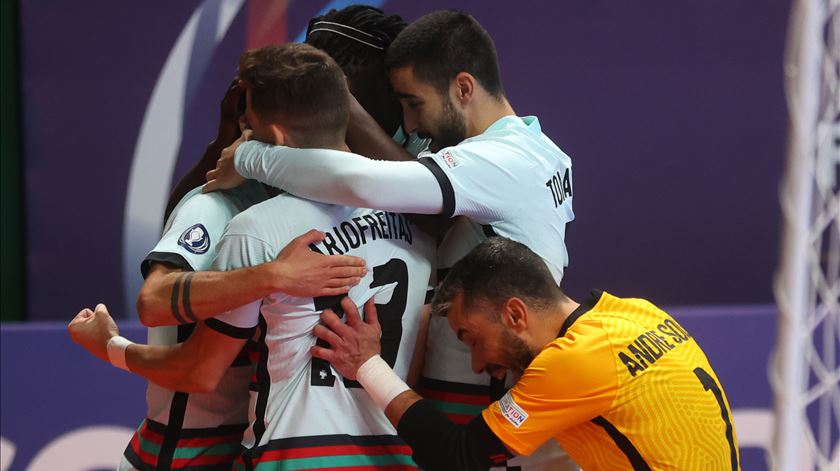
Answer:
(495, 271)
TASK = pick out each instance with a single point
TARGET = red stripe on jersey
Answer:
(460, 419)
(208, 441)
(446, 396)
(144, 456)
(335, 450)
(150, 435)
(203, 460)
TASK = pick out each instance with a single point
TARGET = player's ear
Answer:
(463, 87)
(515, 314)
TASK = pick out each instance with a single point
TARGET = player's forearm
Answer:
(186, 297)
(342, 178)
(399, 405)
(366, 137)
(169, 366)
(438, 443)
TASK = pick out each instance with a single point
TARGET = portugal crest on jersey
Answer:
(195, 239)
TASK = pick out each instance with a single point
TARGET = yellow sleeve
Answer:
(571, 381)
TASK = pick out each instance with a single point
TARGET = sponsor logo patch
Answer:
(450, 161)
(511, 410)
(195, 239)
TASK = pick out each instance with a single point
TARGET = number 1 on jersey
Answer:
(709, 383)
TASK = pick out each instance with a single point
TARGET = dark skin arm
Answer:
(366, 137)
(229, 131)
(433, 224)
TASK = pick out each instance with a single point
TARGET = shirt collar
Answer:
(512, 121)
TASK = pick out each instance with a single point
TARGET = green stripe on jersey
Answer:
(296, 464)
(191, 452)
(458, 408)
(218, 449)
(149, 447)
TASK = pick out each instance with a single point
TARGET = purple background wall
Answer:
(673, 113)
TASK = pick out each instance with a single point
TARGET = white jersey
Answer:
(304, 414)
(183, 430)
(514, 181)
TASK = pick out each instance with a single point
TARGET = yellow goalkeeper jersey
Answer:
(624, 386)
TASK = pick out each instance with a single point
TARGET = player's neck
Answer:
(565, 308)
(317, 144)
(486, 112)
(544, 327)
(561, 312)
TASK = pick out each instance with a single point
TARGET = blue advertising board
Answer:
(64, 409)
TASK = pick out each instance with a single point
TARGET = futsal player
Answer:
(205, 428)
(174, 293)
(182, 430)
(298, 96)
(305, 416)
(492, 167)
(617, 382)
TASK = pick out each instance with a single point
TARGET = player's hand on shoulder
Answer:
(92, 329)
(351, 343)
(225, 176)
(300, 271)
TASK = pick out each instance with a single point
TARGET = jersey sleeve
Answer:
(479, 180)
(342, 178)
(237, 250)
(191, 234)
(567, 384)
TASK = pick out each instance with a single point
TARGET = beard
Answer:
(519, 355)
(451, 130)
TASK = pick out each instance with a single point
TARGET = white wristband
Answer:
(116, 351)
(380, 381)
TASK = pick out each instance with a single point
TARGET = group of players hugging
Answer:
(379, 167)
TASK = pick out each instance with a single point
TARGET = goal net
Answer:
(805, 372)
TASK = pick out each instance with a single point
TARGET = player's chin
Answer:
(497, 371)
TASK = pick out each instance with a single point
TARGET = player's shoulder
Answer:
(586, 355)
(280, 218)
(511, 139)
(197, 202)
(203, 211)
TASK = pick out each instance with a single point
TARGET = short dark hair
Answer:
(378, 31)
(495, 271)
(444, 43)
(301, 87)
